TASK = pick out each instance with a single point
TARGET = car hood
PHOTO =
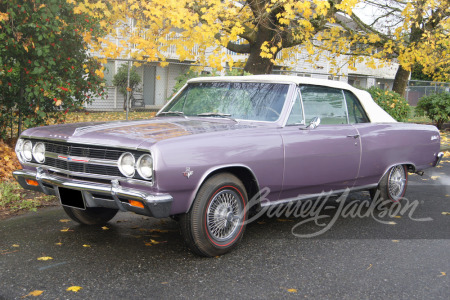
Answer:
(132, 134)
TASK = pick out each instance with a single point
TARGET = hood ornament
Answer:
(188, 173)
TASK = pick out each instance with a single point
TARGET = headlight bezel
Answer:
(23, 151)
(120, 166)
(139, 167)
(35, 155)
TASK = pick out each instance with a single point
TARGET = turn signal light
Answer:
(136, 203)
(32, 182)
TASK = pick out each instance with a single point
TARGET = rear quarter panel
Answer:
(386, 145)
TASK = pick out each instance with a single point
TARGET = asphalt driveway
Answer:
(135, 257)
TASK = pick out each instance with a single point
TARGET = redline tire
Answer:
(91, 215)
(214, 224)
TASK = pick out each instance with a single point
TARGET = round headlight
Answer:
(27, 149)
(39, 152)
(127, 164)
(145, 166)
(19, 146)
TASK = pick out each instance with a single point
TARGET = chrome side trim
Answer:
(309, 196)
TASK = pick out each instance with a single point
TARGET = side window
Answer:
(296, 115)
(326, 103)
(356, 113)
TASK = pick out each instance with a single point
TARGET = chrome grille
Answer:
(56, 149)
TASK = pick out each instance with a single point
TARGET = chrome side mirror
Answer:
(315, 122)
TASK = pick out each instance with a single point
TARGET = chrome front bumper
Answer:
(99, 194)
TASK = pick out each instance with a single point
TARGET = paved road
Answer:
(137, 257)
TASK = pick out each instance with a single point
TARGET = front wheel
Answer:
(215, 223)
(392, 186)
(91, 215)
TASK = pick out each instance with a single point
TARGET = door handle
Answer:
(353, 136)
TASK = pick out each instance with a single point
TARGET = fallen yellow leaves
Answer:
(152, 242)
(445, 213)
(74, 289)
(87, 246)
(65, 230)
(15, 246)
(442, 274)
(105, 228)
(34, 293)
(64, 220)
(45, 258)
(434, 177)
(284, 220)
(292, 290)
(395, 241)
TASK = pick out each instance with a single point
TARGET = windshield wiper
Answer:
(177, 113)
(214, 114)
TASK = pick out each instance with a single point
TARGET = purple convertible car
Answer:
(216, 144)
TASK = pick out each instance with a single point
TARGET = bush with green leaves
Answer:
(392, 102)
(436, 107)
(121, 81)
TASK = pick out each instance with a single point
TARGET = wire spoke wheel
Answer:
(215, 223)
(223, 215)
(396, 182)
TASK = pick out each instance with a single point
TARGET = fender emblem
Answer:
(188, 173)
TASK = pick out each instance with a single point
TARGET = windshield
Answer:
(238, 100)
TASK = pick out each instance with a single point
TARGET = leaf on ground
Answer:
(395, 241)
(64, 220)
(105, 228)
(58, 244)
(74, 289)
(34, 293)
(369, 267)
(442, 274)
(446, 213)
(398, 217)
(391, 223)
(45, 258)
(434, 177)
(87, 246)
(153, 242)
(66, 230)
(15, 246)
(292, 290)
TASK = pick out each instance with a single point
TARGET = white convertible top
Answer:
(375, 113)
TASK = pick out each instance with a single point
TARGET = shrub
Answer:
(436, 107)
(121, 81)
(392, 102)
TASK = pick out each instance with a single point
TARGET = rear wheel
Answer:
(393, 185)
(214, 224)
(91, 215)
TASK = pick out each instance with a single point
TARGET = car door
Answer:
(325, 158)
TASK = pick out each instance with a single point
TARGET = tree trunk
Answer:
(256, 64)
(401, 81)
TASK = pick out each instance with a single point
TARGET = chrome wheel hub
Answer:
(223, 215)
